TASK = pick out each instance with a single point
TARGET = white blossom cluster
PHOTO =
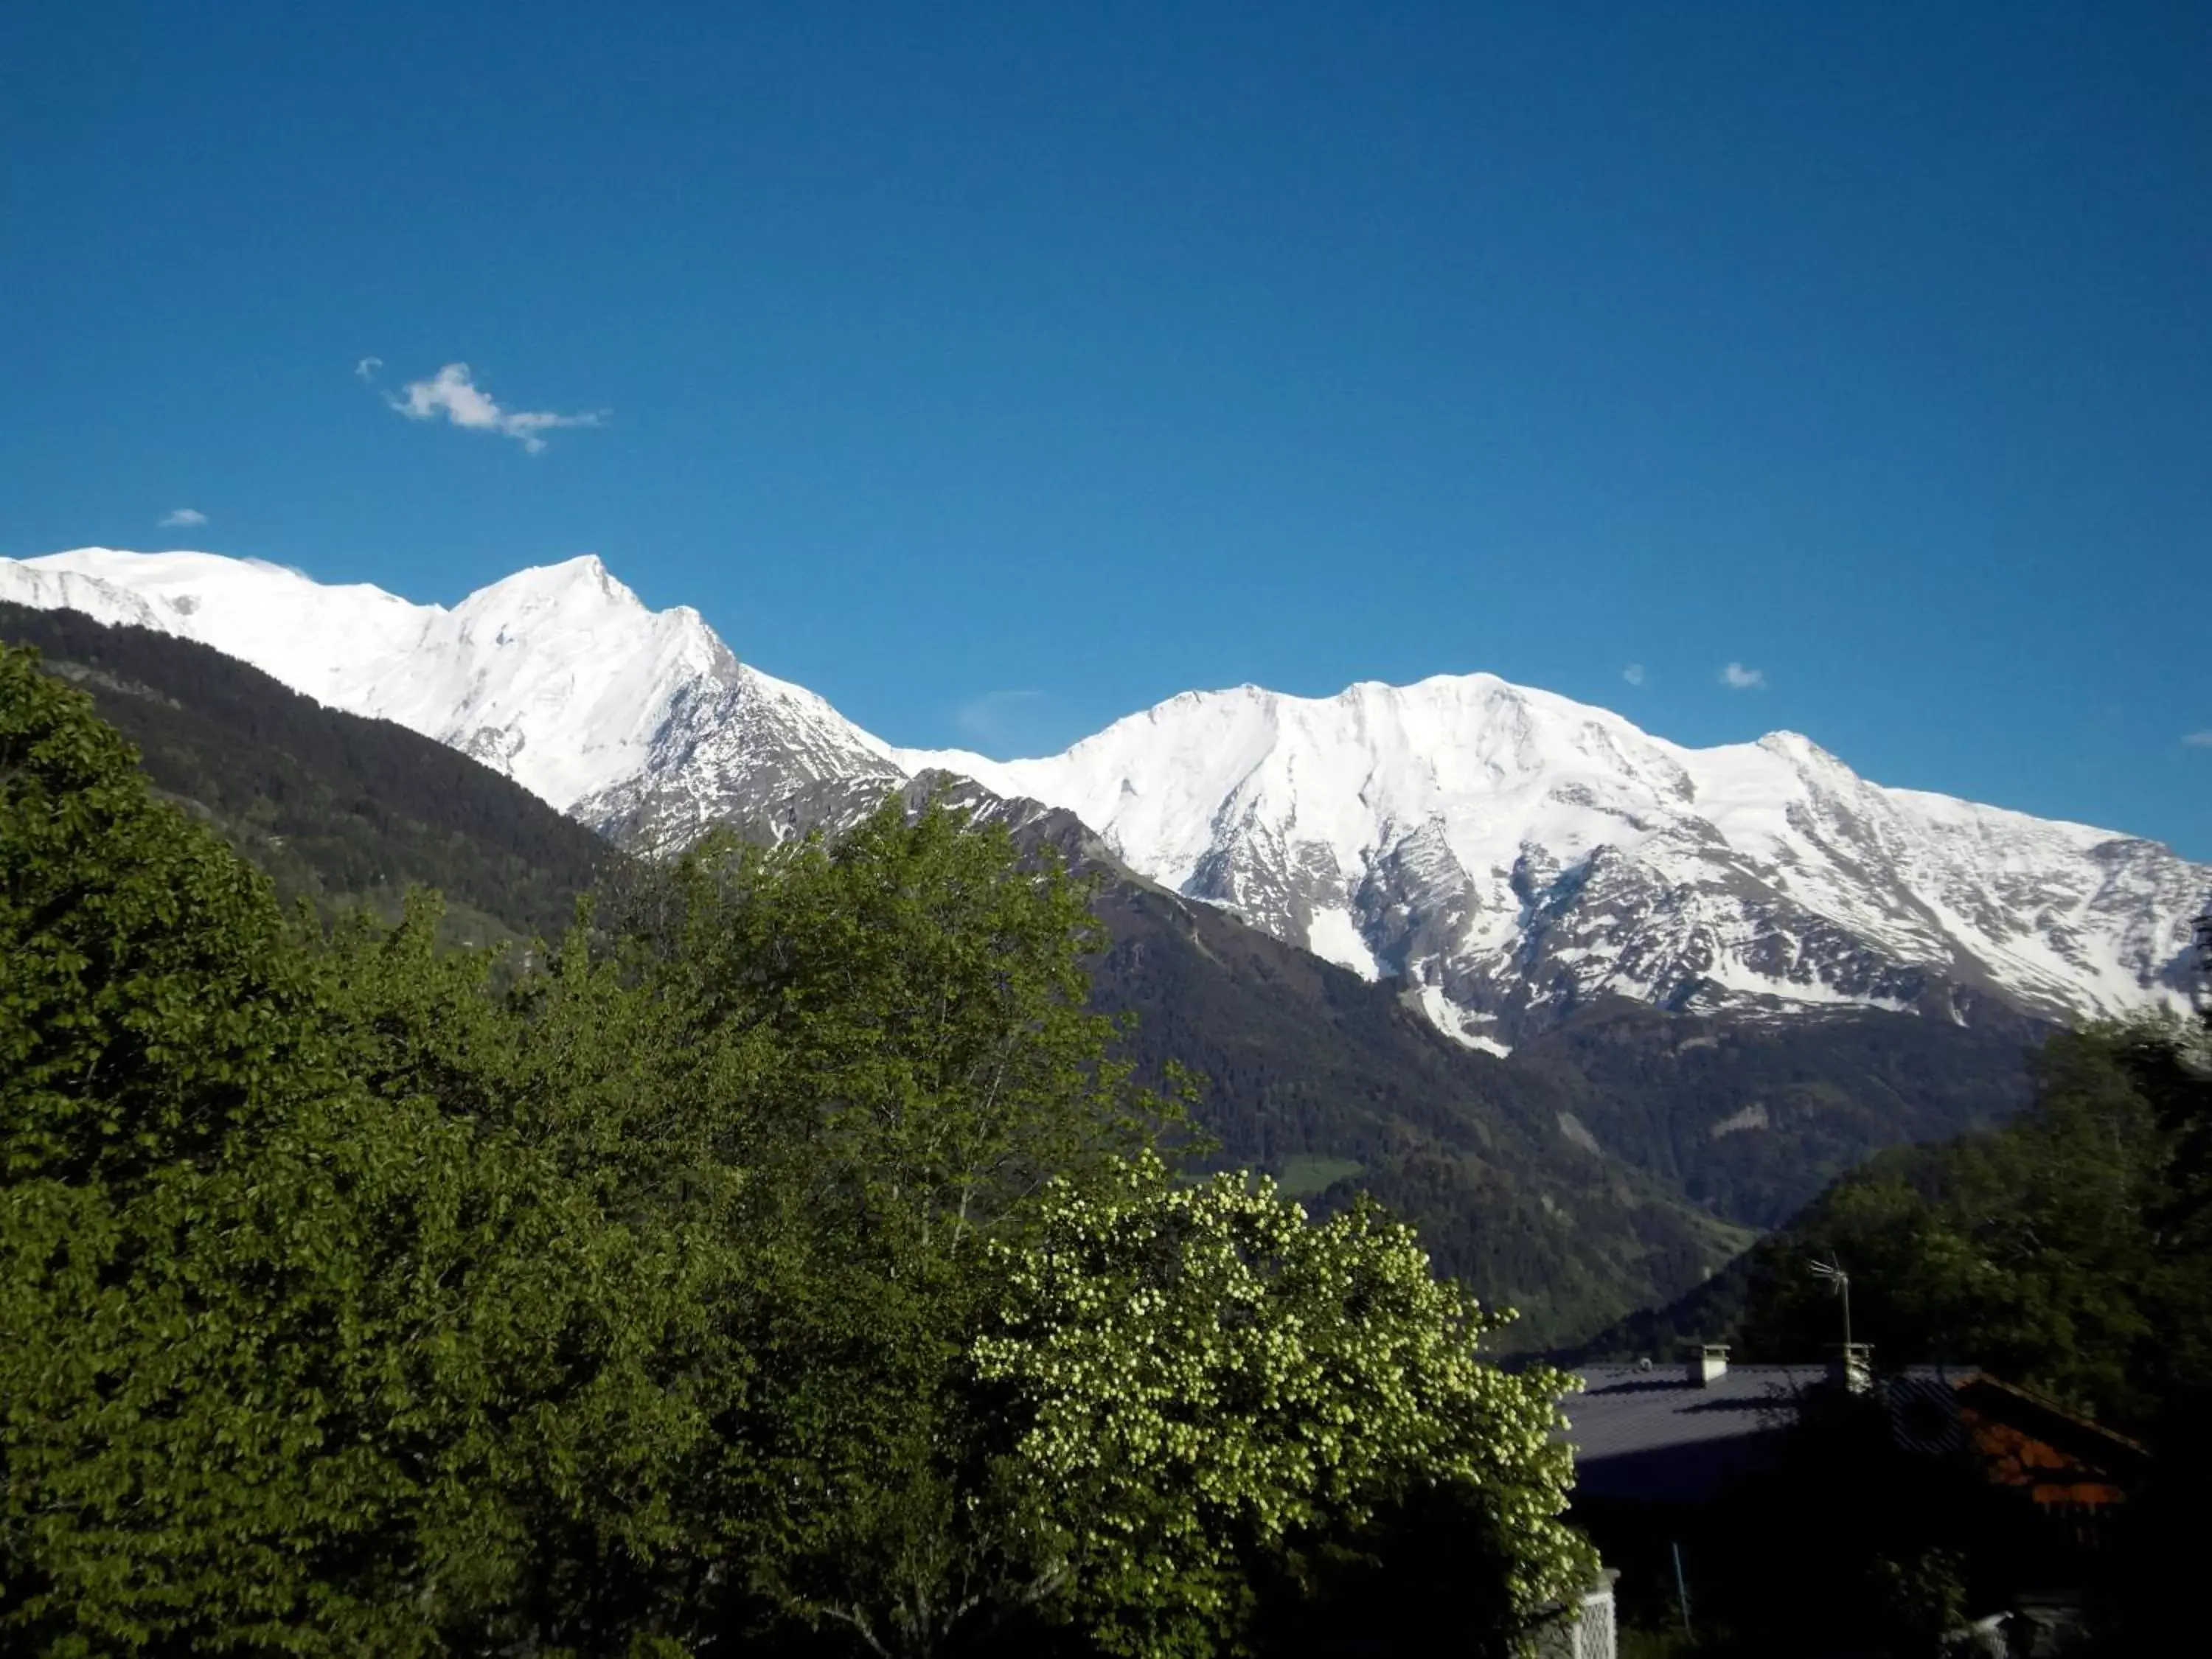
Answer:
(1208, 1371)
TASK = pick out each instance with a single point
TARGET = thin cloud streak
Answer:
(183, 518)
(1737, 678)
(998, 718)
(1633, 673)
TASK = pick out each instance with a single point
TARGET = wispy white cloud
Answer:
(183, 518)
(1633, 673)
(1737, 678)
(998, 718)
(2199, 740)
(366, 367)
(451, 392)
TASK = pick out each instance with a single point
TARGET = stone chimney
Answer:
(1709, 1365)
(1852, 1368)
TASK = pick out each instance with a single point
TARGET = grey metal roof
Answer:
(1655, 1434)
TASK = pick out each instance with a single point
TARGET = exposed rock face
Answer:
(1508, 854)
(1512, 855)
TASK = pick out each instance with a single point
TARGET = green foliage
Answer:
(1214, 1387)
(699, 1278)
(181, 1295)
(316, 1318)
(2063, 1251)
(924, 1064)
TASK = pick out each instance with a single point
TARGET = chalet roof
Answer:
(1655, 1434)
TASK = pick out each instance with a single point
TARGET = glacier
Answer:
(1506, 853)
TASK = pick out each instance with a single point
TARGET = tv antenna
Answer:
(1832, 1270)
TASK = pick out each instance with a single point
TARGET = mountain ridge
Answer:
(1506, 855)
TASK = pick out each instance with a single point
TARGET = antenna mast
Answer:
(1832, 1271)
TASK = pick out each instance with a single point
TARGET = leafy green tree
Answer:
(1218, 1390)
(322, 1329)
(911, 1004)
(182, 1176)
(2057, 1251)
(591, 1279)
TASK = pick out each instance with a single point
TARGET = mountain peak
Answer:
(1506, 853)
(581, 584)
(1510, 853)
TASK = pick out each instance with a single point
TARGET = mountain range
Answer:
(1499, 854)
(1703, 983)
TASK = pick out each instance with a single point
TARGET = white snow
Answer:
(558, 675)
(1334, 937)
(1455, 1022)
(1524, 832)
(1483, 777)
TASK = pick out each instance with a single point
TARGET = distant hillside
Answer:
(2065, 1249)
(1331, 1083)
(337, 809)
(1751, 1117)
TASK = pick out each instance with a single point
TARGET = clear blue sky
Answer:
(998, 371)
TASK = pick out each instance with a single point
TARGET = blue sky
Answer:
(997, 372)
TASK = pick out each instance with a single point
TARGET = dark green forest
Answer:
(340, 810)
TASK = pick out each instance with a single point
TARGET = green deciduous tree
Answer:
(319, 1314)
(913, 1003)
(1219, 1391)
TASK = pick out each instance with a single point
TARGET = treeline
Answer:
(2069, 1250)
(782, 1259)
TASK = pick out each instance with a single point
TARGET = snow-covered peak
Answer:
(1504, 851)
(1339, 770)
(558, 675)
(1480, 839)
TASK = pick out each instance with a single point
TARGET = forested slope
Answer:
(336, 808)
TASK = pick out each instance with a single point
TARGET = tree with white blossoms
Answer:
(1233, 1404)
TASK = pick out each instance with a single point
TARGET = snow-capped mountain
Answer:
(641, 723)
(1506, 853)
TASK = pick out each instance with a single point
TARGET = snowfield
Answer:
(1506, 852)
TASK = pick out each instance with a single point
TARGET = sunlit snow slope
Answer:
(1509, 853)
(1506, 853)
(633, 721)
